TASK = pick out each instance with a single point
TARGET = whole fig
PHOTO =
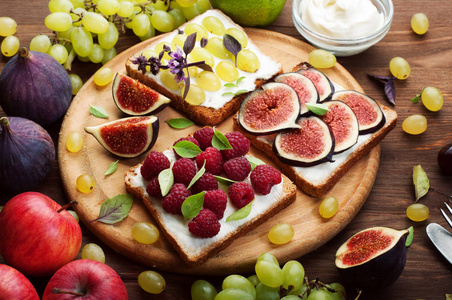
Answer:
(35, 86)
(27, 153)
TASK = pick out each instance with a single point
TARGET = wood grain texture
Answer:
(427, 275)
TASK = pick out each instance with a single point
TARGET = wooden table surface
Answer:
(427, 274)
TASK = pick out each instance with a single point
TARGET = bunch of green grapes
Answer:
(10, 44)
(270, 282)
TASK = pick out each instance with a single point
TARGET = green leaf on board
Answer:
(421, 182)
(98, 112)
(180, 123)
(220, 142)
(115, 209)
(111, 168)
(409, 238)
(187, 149)
(241, 213)
(192, 205)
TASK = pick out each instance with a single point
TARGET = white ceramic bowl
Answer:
(344, 46)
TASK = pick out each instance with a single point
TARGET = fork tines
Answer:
(449, 221)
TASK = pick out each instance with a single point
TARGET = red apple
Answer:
(36, 237)
(87, 279)
(14, 285)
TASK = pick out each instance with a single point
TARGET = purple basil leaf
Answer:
(205, 67)
(189, 43)
(203, 42)
(161, 54)
(390, 91)
(232, 45)
(187, 86)
(381, 78)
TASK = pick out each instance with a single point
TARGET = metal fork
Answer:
(448, 220)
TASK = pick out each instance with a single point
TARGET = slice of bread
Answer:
(219, 104)
(195, 250)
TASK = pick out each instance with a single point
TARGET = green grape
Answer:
(82, 41)
(195, 95)
(95, 23)
(419, 23)
(208, 81)
(216, 47)
(74, 140)
(140, 24)
(103, 76)
(65, 34)
(168, 80)
(108, 7)
(77, 21)
(161, 5)
(178, 17)
(204, 4)
(300, 291)
(10, 45)
(85, 183)
(239, 282)
(97, 54)
(227, 71)
(328, 207)
(83, 58)
(152, 282)
(185, 3)
(319, 295)
(162, 21)
(192, 11)
(60, 6)
(340, 291)
(94, 252)
(253, 279)
(213, 25)
(201, 32)
(239, 35)
(108, 54)
(264, 292)
(415, 124)
(322, 59)
(126, 9)
(73, 214)
(202, 290)
(59, 52)
(399, 68)
(109, 38)
(267, 256)
(40, 43)
(149, 34)
(192, 71)
(290, 297)
(293, 274)
(145, 233)
(179, 40)
(78, 3)
(233, 294)
(281, 234)
(201, 54)
(432, 98)
(417, 212)
(269, 274)
(8, 26)
(58, 21)
(248, 61)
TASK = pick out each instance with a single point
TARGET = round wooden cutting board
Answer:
(311, 231)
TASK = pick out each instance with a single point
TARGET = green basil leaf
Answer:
(239, 80)
(415, 99)
(187, 149)
(241, 213)
(98, 112)
(319, 109)
(166, 180)
(115, 209)
(197, 175)
(224, 180)
(409, 238)
(254, 161)
(421, 182)
(228, 94)
(112, 168)
(192, 205)
(230, 85)
(180, 123)
(220, 142)
(241, 92)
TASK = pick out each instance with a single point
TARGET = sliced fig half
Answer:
(372, 258)
(309, 145)
(127, 137)
(322, 83)
(343, 123)
(135, 98)
(273, 107)
(367, 110)
(305, 88)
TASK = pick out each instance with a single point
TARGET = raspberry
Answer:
(188, 138)
(216, 201)
(240, 193)
(204, 137)
(240, 145)
(263, 177)
(172, 202)
(213, 158)
(153, 188)
(205, 183)
(205, 224)
(237, 168)
(184, 170)
(154, 163)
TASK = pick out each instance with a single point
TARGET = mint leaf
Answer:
(421, 182)
(98, 112)
(166, 180)
(192, 205)
(111, 168)
(180, 123)
(220, 142)
(409, 238)
(241, 213)
(187, 149)
(115, 209)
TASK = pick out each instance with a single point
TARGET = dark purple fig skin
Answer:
(445, 160)
(27, 154)
(33, 85)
